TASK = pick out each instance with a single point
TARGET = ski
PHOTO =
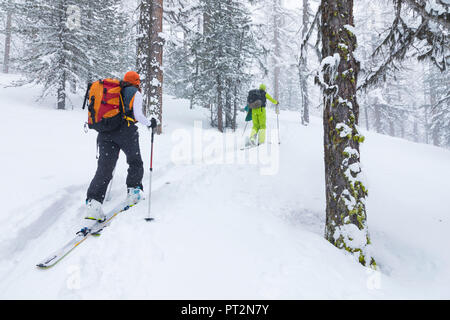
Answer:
(253, 146)
(248, 147)
(93, 230)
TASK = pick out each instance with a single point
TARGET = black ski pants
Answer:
(126, 138)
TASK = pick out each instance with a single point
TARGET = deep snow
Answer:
(227, 226)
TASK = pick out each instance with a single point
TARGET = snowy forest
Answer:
(215, 51)
(347, 68)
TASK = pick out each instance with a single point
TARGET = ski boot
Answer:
(94, 211)
(250, 142)
(134, 195)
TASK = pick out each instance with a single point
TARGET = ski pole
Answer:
(278, 124)
(245, 129)
(149, 218)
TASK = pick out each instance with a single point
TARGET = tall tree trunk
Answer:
(391, 128)
(426, 124)
(435, 134)
(416, 130)
(90, 44)
(235, 107)
(377, 118)
(402, 125)
(7, 41)
(237, 84)
(303, 68)
(150, 55)
(62, 92)
(276, 41)
(345, 194)
(228, 115)
(219, 104)
(426, 106)
(366, 115)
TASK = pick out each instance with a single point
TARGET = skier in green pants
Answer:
(257, 112)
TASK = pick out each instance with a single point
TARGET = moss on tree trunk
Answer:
(345, 193)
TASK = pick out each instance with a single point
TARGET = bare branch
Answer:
(310, 30)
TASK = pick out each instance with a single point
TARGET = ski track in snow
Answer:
(43, 223)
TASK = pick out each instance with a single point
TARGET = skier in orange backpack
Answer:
(125, 138)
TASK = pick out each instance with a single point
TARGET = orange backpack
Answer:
(105, 105)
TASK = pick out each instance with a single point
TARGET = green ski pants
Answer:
(259, 125)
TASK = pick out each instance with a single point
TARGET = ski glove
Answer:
(153, 125)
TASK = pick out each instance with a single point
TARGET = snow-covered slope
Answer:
(228, 225)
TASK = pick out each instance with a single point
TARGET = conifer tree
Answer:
(214, 58)
(71, 42)
(56, 52)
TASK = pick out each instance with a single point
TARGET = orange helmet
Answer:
(132, 77)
